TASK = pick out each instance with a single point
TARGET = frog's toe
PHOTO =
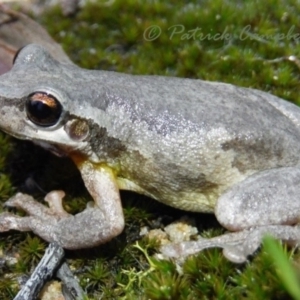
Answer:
(43, 225)
(179, 250)
(27, 204)
(17, 200)
(54, 200)
(34, 208)
(236, 254)
(172, 250)
(10, 221)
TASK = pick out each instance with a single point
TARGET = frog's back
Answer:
(179, 104)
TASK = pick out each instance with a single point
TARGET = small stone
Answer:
(181, 230)
(52, 291)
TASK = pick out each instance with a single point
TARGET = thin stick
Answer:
(43, 272)
(70, 288)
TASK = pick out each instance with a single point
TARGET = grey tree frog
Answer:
(194, 145)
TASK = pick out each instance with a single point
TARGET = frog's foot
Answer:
(39, 215)
(34, 208)
(25, 202)
(236, 246)
(53, 223)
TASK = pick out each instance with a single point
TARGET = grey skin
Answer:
(194, 145)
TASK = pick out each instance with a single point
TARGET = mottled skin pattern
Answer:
(180, 141)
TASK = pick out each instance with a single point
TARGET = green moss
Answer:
(8, 286)
(246, 43)
(6, 189)
(32, 250)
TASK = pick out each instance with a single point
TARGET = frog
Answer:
(195, 145)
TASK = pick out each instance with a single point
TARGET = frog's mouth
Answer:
(53, 149)
(16, 135)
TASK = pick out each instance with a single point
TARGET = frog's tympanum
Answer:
(194, 145)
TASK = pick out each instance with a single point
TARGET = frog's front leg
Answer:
(97, 224)
(264, 203)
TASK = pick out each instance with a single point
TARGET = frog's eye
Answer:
(43, 109)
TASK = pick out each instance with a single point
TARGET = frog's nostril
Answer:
(43, 109)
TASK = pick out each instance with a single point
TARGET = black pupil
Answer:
(43, 109)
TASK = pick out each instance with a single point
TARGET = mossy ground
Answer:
(247, 43)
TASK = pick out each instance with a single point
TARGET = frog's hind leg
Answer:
(264, 203)
(237, 246)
